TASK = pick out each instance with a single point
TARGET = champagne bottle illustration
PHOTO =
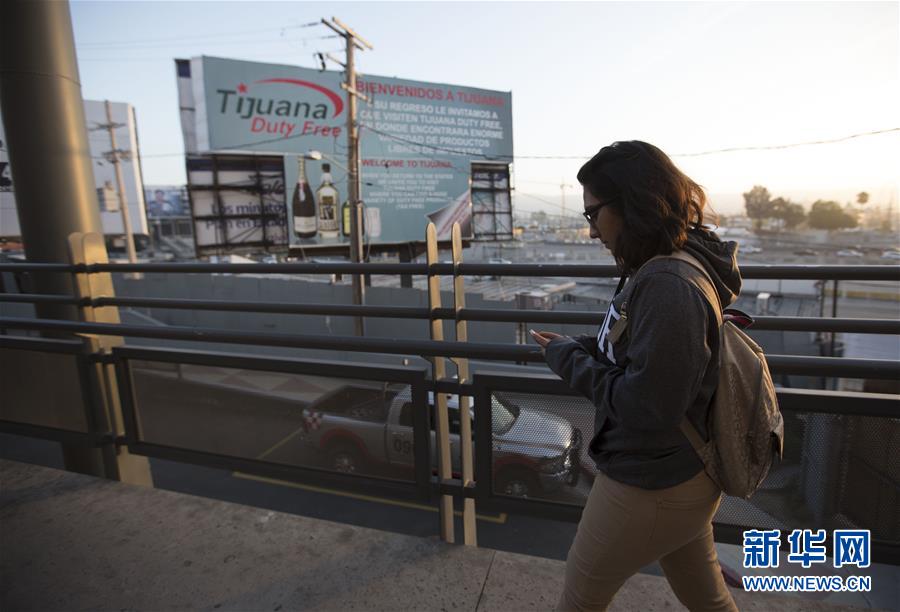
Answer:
(327, 194)
(303, 205)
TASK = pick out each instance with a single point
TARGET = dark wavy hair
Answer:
(658, 203)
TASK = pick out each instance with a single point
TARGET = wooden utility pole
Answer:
(353, 41)
(115, 156)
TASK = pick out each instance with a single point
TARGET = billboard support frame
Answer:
(220, 215)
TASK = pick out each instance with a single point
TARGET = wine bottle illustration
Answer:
(303, 205)
(327, 194)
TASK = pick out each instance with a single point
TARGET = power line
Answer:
(712, 152)
(261, 53)
(235, 146)
(230, 43)
(735, 149)
(788, 146)
(463, 153)
(197, 37)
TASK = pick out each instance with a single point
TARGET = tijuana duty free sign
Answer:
(281, 116)
(418, 142)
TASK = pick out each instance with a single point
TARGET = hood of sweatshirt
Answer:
(720, 260)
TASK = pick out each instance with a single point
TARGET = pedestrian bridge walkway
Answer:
(75, 542)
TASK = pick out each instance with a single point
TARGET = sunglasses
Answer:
(591, 213)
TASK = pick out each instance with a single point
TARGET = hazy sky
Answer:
(688, 77)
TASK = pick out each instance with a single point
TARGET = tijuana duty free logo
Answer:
(282, 116)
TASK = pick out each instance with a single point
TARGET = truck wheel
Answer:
(344, 458)
(516, 484)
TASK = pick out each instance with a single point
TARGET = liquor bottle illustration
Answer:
(327, 194)
(303, 205)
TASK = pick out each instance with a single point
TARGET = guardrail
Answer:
(185, 422)
(817, 486)
(861, 326)
(778, 364)
(810, 405)
(753, 271)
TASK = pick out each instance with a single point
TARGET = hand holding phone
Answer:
(543, 338)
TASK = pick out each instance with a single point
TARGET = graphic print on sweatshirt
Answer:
(604, 346)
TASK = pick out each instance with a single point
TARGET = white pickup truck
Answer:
(365, 428)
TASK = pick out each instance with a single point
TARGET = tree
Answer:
(794, 216)
(790, 214)
(862, 197)
(758, 204)
(828, 215)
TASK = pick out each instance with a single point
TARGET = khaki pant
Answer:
(625, 528)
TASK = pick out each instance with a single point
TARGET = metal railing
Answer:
(482, 388)
(783, 505)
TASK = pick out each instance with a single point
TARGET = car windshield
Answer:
(503, 415)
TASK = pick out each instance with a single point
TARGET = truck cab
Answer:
(534, 452)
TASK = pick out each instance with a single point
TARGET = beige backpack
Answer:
(746, 431)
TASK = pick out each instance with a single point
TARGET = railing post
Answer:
(405, 252)
(462, 368)
(834, 306)
(118, 462)
(440, 399)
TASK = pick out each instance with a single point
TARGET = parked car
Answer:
(848, 253)
(749, 249)
(891, 255)
(534, 452)
(809, 252)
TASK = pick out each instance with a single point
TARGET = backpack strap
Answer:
(692, 261)
(687, 428)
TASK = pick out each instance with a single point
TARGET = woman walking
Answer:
(653, 363)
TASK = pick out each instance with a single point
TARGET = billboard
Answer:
(421, 145)
(104, 172)
(238, 202)
(166, 201)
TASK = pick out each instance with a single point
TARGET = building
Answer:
(123, 114)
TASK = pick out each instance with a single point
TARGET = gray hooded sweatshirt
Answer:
(663, 367)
